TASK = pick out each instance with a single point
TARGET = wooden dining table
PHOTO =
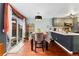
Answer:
(32, 39)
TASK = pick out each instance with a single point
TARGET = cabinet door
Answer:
(76, 43)
(65, 41)
(69, 20)
(54, 37)
(74, 28)
(58, 22)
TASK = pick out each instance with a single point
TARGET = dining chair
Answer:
(39, 41)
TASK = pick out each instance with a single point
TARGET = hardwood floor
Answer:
(53, 50)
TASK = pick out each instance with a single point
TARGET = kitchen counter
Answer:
(64, 33)
(70, 41)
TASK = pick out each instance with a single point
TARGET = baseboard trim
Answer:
(5, 53)
(70, 52)
(12, 48)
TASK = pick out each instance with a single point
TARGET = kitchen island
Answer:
(69, 41)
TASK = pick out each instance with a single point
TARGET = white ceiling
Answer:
(47, 10)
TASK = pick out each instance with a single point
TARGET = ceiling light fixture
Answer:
(38, 17)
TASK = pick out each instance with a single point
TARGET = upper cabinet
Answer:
(58, 22)
(68, 21)
(62, 21)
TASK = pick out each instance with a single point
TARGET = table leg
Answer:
(32, 44)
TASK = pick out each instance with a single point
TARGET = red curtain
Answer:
(6, 25)
(19, 15)
(5, 17)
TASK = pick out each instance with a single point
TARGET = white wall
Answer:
(47, 9)
(45, 24)
(9, 33)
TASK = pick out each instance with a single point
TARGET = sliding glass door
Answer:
(14, 33)
(19, 32)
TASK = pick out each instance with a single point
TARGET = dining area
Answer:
(39, 40)
(39, 36)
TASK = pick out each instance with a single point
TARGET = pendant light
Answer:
(38, 17)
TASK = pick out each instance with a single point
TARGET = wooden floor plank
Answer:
(54, 50)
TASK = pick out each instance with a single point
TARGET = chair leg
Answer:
(47, 46)
(43, 46)
(32, 44)
(35, 45)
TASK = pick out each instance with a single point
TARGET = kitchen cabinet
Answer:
(70, 42)
(75, 27)
(63, 40)
(58, 22)
(68, 20)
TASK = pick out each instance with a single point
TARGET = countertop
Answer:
(64, 33)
